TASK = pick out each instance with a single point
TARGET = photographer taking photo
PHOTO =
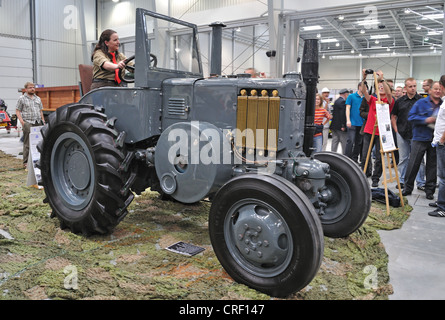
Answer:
(385, 97)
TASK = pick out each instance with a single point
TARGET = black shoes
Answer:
(437, 213)
(421, 188)
(375, 184)
(406, 193)
(433, 204)
(430, 196)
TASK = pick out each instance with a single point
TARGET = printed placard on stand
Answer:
(387, 148)
(34, 174)
(385, 128)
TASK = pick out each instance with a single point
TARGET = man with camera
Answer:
(385, 97)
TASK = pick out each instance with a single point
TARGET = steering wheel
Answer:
(127, 74)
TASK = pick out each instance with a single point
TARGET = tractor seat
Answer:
(86, 78)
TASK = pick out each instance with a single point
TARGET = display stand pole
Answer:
(382, 156)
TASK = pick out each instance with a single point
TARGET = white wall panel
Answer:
(425, 68)
(15, 68)
(60, 42)
(123, 14)
(15, 18)
(15, 50)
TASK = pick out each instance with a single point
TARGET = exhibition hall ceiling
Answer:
(372, 30)
(365, 28)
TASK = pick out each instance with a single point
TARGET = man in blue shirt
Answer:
(422, 119)
(354, 123)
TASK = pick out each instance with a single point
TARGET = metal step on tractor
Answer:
(243, 143)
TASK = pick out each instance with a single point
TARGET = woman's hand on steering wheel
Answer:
(131, 68)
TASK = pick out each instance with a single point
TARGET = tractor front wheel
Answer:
(266, 234)
(348, 196)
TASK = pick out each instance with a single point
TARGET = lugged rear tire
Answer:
(81, 170)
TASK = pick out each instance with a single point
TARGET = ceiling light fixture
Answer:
(434, 16)
(341, 17)
(368, 22)
(407, 10)
(312, 28)
(328, 40)
(434, 33)
(379, 36)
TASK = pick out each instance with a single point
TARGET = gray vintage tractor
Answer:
(243, 143)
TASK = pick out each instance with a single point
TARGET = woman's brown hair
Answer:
(105, 36)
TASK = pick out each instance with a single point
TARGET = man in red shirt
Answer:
(385, 97)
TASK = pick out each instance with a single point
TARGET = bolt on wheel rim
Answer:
(258, 238)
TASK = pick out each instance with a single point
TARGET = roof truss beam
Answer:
(402, 27)
(344, 33)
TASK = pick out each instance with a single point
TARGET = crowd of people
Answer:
(418, 127)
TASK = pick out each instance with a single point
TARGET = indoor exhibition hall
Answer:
(222, 158)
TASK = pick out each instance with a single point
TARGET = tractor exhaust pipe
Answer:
(309, 71)
(216, 60)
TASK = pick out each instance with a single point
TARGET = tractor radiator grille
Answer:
(177, 107)
(258, 115)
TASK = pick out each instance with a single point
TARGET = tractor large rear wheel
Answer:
(80, 164)
(266, 234)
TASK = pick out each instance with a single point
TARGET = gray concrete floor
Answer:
(416, 251)
(10, 143)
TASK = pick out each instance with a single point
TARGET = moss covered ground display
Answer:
(38, 260)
